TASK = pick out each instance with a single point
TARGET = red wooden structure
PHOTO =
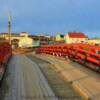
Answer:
(5, 54)
(86, 54)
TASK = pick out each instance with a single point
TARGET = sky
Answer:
(51, 16)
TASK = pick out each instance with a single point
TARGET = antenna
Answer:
(9, 27)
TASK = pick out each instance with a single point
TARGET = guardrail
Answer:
(5, 54)
(88, 55)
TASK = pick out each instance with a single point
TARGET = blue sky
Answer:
(50, 16)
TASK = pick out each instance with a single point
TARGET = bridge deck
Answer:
(84, 80)
(25, 80)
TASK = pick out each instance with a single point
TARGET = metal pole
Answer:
(9, 28)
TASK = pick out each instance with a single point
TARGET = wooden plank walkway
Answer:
(62, 89)
(84, 80)
(25, 81)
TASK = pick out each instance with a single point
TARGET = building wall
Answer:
(59, 38)
(75, 40)
(94, 41)
(25, 42)
(24, 34)
(12, 38)
(36, 43)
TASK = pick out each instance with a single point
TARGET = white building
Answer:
(25, 42)
(76, 37)
(23, 34)
(94, 41)
(21, 40)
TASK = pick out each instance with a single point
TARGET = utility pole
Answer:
(9, 28)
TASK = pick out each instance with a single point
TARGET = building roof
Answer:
(12, 34)
(77, 35)
(41, 38)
